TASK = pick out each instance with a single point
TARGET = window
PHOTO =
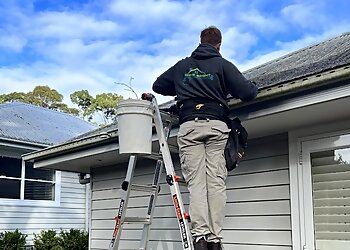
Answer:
(324, 191)
(331, 192)
(10, 178)
(22, 181)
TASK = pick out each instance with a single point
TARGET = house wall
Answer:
(257, 212)
(39, 215)
(31, 219)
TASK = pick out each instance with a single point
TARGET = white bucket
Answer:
(135, 126)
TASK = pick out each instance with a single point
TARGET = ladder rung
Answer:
(143, 188)
(154, 156)
(182, 182)
(137, 220)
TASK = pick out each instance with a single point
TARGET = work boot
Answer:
(201, 244)
(214, 246)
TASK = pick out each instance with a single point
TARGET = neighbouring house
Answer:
(292, 189)
(35, 199)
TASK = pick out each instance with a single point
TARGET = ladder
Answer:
(153, 189)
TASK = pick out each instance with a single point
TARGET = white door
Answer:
(325, 202)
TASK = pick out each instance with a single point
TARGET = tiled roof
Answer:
(329, 54)
(32, 124)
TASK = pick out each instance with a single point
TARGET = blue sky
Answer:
(91, 44)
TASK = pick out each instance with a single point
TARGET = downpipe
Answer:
(84, 180)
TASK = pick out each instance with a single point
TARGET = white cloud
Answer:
(148, 9)
(88, 50)
(236, 44)
(261, 23)
(12, 42)
(68, 25)
(305, 15)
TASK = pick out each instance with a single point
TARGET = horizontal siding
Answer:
(257, 210)
(33, 219)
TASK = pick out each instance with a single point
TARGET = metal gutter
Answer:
(77, 144)
(25, 144)
(71, 145)
(294, 86)
(297, 85)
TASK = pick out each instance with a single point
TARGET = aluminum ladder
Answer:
(172, 179)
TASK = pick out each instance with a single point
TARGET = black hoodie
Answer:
(205, 75)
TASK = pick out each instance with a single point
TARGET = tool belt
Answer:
(202, 109)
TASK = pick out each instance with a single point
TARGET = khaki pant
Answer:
(201, 147)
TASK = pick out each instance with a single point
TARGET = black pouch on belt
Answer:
(236, 144)
(202, 109)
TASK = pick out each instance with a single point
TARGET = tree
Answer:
(42, 96)
(83, 99)
(107, 104)
(88, 106)
(104, 103)
(15, 96)
(46, 97)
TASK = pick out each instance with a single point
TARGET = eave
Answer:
(102, 149)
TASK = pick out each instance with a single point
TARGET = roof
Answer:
(28, 123)
(321, 57)
(329, 54)
(297, 74)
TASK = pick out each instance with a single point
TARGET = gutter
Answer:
(294, 86)
(301, 84)
(67, 146)
(26, 144)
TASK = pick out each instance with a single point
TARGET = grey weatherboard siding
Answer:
(257, 212)
(24, 127)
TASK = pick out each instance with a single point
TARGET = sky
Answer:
(71, 45)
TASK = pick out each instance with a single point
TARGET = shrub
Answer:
(74, 239)
(47, 240)
(12, 240)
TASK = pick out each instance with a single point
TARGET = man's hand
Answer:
(173, 109)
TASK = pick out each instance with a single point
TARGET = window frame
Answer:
(36, 203)
(295, 140)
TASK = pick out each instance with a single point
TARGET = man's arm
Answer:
(237, 85)
(164, 84)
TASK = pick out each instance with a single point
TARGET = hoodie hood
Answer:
(205, 51)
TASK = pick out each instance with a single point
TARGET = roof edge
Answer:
(97, 138)
(21, 142)
(297, 85)
(297, 51)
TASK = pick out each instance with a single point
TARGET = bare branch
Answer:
(129, 88)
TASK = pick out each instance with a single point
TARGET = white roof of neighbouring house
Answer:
(32, 124)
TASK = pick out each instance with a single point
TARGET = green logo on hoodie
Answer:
(196, 74)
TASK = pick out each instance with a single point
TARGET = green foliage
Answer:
(104, 103)
(42, 96)
(12, 240)
(89, 106)
(15, 96)
(107, 104)
(84, 100)
(74, 239)
(47, 240)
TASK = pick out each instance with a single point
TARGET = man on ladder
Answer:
(201, 83)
